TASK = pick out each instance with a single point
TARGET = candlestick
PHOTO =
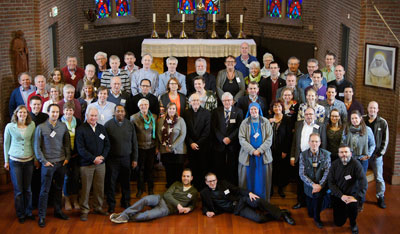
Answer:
(183, 34)
(214, 33)
(241, 19)
(227, 18)
(183, 18)
(154, 34)
(214, 18)
(168, 20)
(228, 34)
(154, 17)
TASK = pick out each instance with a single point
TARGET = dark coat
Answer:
(244, 102)
(208, 78)
(197, 130)
(266, 89)
(220, 131)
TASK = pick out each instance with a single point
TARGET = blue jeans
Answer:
(21, 177)
(364, 164)
(377, 167)
(56, 173)
(159, 209)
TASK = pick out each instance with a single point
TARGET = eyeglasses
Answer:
(145, 86)
(229, 61)
(173, 83)
(211, 181)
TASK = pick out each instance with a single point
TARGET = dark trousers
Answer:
(248, 209)
(197, 163)
(225, 165)
(72, 177)
(145, 168)
(21, 174)
(314, 205)
(342, 211)
(300, 187)
(118, 169)
(173, 164)
(50, 174)
(35, 185)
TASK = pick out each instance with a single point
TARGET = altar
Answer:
(192, 49)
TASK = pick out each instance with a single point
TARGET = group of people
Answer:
(252, 128)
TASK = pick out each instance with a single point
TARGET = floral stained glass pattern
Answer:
(103, 8)
(294, 9)
(274, 8)
(186, 6)
(212, 6)
(123, 7)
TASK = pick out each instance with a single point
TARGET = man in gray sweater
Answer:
(181, 197)
(123, 153)
(52, 147)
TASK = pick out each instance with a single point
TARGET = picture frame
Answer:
(380, 66)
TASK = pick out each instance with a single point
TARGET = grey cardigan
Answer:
(244, 139)
(178, 137)
(221, 78)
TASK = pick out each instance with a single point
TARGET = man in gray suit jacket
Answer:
(303, 131)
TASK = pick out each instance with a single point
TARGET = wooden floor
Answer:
(371, 220)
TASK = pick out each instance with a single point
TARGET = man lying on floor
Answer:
(181, 197)
(225, 197)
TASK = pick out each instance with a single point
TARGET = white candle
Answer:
(241, 19)
(227, 18)
(167, 18)
(154, 17)
(183, 18)
(214, 18)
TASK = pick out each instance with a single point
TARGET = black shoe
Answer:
(281, 193)
(21, 220)
(41, 222)
(139, 194)
(381, 202)
(297, 206)
(319, 224)
(111, 210)
(61, 215)
(354, 229)
(31, 217)
(288, 219)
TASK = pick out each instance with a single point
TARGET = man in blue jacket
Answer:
(244, 59)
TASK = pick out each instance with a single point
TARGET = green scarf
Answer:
(148, 122)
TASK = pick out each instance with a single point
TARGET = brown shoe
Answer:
(84, 216)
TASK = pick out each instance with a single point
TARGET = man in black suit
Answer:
(303, 131)
(223, 197)
(201, 70)
(269, 86)
(145, 87)
(197, 121)
(225, 123)
(244, 102)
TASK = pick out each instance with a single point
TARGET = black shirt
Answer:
(220, 202)
(231, 86)
(39, 118)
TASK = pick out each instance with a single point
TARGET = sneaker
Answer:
(114, 215)
(381, 202)
(119, 219)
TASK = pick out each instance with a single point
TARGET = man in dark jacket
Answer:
(93, 146)
(244, 102)
(224, 197)
(348, 184)
(197, 121)
(123, 153)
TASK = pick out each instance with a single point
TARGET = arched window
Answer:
(108, 8)
(189, 6)
(291, 9)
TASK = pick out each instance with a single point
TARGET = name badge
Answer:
(232, 121)
(316, 126)
(314, 164)
(52, 134)
(347, 177)
(102, 136)
(379, 129)
(73, 130)
(287, 111)
(238, 79)
(341, 94)
(45, 95)
(226, 192)
(73, 77)
(189, 195)
(321, 97)
(123, 101)
(102, 117)
(256, 135)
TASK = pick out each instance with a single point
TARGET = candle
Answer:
(214, 18)
(154, 17)
(227, 18)
(183, 18)
(168, 18)
(241, 19)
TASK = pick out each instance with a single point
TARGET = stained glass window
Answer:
(103, 8)
(294, 9)
(212, 6)
(274, 8)
(186, 6)
(123, 7)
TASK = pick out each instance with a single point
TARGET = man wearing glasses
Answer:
(145, 86)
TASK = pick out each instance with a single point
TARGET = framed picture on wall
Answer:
(380, 66)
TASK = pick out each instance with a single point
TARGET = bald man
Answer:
(244, 59)
(340, 82)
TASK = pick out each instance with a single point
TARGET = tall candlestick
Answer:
(154, 17)
(241, 19)
(227, 18)
(183, 18)
(168, 18)
(214, 18)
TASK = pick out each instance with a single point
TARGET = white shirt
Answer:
(305, 135)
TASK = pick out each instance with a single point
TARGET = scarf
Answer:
(167, 129)
(148, 122)
(71, 128)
